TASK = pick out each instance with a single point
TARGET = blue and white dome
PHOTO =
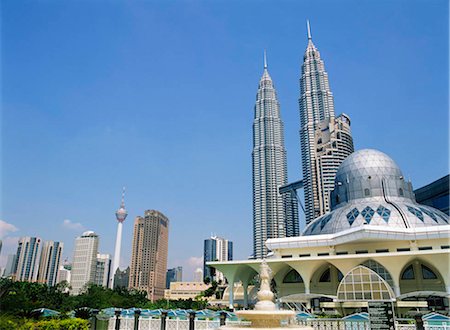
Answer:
(370, 190)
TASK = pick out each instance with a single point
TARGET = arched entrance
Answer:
(420, 276)
(326, 280)
(363, 284)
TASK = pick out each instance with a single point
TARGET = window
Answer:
(292, 277)
(323, 254)
(362, 283)
(304, 255)
(352, 215)
(361, 251)
(366, 192)
(368, 213)
(400, 191)
(384, 212)
(382, 250)
(403, 249)
(380, 270)
(427, 273)
(287, 256)
(326, 276)
(341, 252)
(408, 273)
(416, 212)
(423, 248)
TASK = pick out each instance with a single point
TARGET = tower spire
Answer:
(265, 59)
(122, 204)
(309, 29)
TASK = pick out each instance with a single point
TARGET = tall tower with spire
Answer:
(269, 167)
(325, 139)
(121, 215)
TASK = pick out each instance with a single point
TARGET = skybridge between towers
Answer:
(290, 191)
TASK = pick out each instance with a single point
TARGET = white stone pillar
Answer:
(231, 291)
(245, 287)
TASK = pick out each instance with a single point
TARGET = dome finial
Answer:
(309, 29)
(265, 59)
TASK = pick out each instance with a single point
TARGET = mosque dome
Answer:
(370, 189)
(367, 163)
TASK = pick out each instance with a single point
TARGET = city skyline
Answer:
(64, 105)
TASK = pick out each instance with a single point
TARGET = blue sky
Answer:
(158, 96)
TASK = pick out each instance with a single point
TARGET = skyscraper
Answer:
(103, 270)
(121, 215)
(27, 259)
(216, 249)
(49, 263)
(269, 168)
(325, 140)
(174, 275)
(84, 261)
(10, 264)
(149, 254)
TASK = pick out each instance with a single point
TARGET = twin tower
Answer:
(325, 142)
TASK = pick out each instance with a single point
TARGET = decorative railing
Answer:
(127, 323)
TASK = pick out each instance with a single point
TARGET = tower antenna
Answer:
(265, 59)
(309, 29)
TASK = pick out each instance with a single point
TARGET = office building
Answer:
(198, 275)
(50, 262)
(435, 194)
(216, 249)
(27, 259)
(269, 169)
(103, 270)
(122, 278)
(10, 263)
(149, 254)
(325, 139)
(376, 243)
(185, 290)
(64, 272)
(174, 275)
(84, 263)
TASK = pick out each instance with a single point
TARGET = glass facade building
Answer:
(435, 194)
(216, 249)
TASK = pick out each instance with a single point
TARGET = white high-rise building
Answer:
(27, 259)
(325, 139)
(50, 261)
(84, 261)
(269, 169)
(64, 272)
(198, 275)
(121, 215)
(216, 249)
(103, 270)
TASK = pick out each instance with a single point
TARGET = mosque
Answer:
(377, 243)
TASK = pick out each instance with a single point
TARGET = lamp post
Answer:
(94, 315)
(137, 313)
(117, 313)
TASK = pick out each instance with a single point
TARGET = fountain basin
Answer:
(265, 319)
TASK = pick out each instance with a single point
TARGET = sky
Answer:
(158, 96)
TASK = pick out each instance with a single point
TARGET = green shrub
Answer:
(9, 323)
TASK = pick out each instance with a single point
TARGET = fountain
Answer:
(265, 314)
